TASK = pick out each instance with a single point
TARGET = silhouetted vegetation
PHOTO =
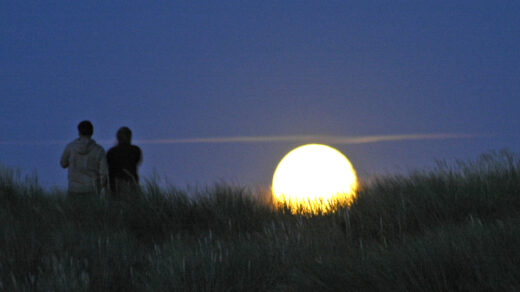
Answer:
(454, 227)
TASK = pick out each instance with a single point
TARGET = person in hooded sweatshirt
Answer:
(123, 160)
(86, 163)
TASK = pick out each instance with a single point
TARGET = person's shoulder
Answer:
(71, 144)
(99, 148)
(135, 149)
(112, 149)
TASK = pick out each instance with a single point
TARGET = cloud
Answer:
(336, 140)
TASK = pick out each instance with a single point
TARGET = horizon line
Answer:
(318, 139)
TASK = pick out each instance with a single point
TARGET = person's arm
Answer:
(140, 156)
(64, 161)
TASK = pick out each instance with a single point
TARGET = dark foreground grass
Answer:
(456, 227)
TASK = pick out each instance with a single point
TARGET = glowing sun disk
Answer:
(311, 175)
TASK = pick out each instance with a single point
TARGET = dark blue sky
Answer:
(196, 69)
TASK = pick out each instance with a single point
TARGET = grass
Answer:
(455, 227)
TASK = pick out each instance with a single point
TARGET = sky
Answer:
(192, 76)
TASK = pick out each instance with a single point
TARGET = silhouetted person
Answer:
(123, 160)
(86, 162)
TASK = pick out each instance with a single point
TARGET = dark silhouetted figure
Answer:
(86, 162)
(123, 160)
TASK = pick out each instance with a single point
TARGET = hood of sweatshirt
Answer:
(83, 145)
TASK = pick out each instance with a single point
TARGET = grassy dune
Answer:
(455, 227)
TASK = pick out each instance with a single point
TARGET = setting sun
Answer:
(313, 176)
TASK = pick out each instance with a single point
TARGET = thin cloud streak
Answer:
(337, 140)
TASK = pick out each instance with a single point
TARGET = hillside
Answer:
(454, 227)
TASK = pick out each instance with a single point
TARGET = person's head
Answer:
(85, 129)
(124, 135)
